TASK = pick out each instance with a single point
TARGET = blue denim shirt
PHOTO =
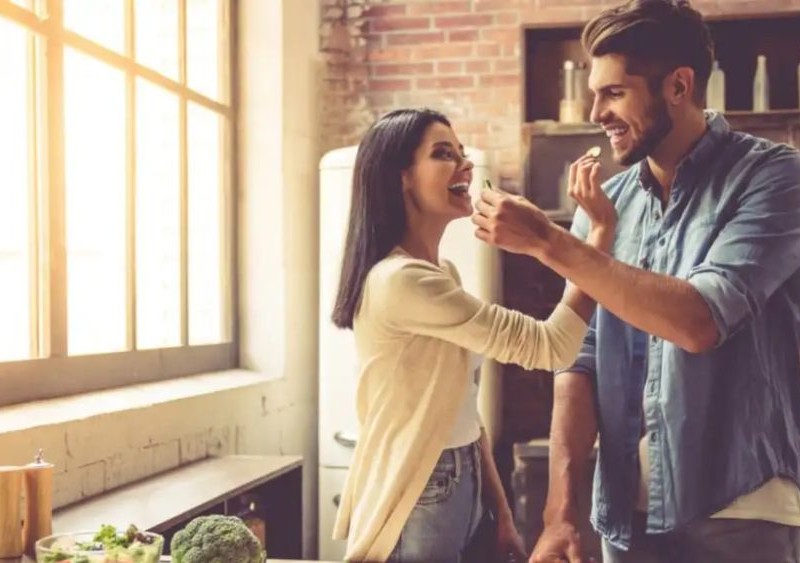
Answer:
(720, 423)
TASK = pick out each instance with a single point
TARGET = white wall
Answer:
(279, 152)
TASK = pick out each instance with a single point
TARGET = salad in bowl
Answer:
(104, 546)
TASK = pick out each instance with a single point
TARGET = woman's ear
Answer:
(405, 178)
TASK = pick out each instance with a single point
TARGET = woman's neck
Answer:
(422, 240)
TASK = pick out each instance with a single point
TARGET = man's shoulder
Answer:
(745, 150)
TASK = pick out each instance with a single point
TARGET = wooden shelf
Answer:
(166, 502)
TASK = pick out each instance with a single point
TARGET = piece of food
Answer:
(216, 539)
(594, 152)
(489, 185)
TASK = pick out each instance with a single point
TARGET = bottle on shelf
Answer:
(761, 85)
(570, 108)
(715, 91)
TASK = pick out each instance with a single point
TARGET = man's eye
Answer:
(615, 94)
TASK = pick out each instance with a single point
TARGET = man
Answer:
(690, 371)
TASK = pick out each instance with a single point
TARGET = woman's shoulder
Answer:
(399, 270)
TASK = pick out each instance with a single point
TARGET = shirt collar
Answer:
(717, 130)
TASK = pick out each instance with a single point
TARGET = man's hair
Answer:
(655, 37)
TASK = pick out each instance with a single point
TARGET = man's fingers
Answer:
(482, 234)
(574, 552)
(484, 208)
(585, 171)
(481, 221)
(573, 176)
(491, 197)
(594, 178)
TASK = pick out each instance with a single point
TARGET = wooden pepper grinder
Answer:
(39, 502)
(10, 512)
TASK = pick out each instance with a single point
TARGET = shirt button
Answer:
(653, 437)
(656, 215)
(644, 263)
(662, 241)
(651, 387)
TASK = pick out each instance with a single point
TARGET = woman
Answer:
(422, 472)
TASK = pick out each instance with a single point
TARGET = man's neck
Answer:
(671, 151)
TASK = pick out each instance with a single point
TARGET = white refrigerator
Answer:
(479, 267)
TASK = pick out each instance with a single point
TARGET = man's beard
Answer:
(660, 126)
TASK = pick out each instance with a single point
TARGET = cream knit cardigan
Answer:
(414, 331)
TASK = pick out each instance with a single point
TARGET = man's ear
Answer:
(679, 85)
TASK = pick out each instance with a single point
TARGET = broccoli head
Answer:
(216, 539)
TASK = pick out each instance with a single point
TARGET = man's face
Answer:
(634, 119)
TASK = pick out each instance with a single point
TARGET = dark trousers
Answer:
(711, 540)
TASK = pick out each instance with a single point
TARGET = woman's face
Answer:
(437, 183)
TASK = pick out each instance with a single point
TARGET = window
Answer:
(116, 209)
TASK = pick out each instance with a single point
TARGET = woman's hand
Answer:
(584, 188)
(508, 544)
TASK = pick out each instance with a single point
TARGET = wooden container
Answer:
(39, 502)
(11, 480)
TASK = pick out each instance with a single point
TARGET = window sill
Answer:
(36, 414)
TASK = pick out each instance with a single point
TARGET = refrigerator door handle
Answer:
(345, 439)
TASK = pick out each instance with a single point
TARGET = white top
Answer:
(467, 428)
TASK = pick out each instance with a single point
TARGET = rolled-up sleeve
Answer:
(757, 250)
(586, 362)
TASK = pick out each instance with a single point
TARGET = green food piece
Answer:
(216, 539)
(489, 185)
(58, 555)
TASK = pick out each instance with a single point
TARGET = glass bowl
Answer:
(64, 548)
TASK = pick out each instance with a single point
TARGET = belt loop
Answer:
(457, 455)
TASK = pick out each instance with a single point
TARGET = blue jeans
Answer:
(447, 513)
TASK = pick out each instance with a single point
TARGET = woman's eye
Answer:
(445, 154)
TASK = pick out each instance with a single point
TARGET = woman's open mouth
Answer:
(459, 189)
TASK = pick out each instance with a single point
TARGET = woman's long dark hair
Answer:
(377, 213)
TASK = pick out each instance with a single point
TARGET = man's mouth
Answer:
(616, 133)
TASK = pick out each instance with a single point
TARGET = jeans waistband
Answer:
(464, 457)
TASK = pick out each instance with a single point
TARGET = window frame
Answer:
(53, 373)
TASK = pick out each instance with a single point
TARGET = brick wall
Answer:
(459, 56)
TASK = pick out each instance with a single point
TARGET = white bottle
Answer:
(715, 91)
(761, 85)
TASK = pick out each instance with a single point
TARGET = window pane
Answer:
(157, 35)
(15, 243)
(204, 52)
(95, 205)
(205, 226)
(101, 21)
(158, 218)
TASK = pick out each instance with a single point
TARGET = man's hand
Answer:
(559, 542)
(512, 223)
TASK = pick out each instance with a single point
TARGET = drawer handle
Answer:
(345, 439)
